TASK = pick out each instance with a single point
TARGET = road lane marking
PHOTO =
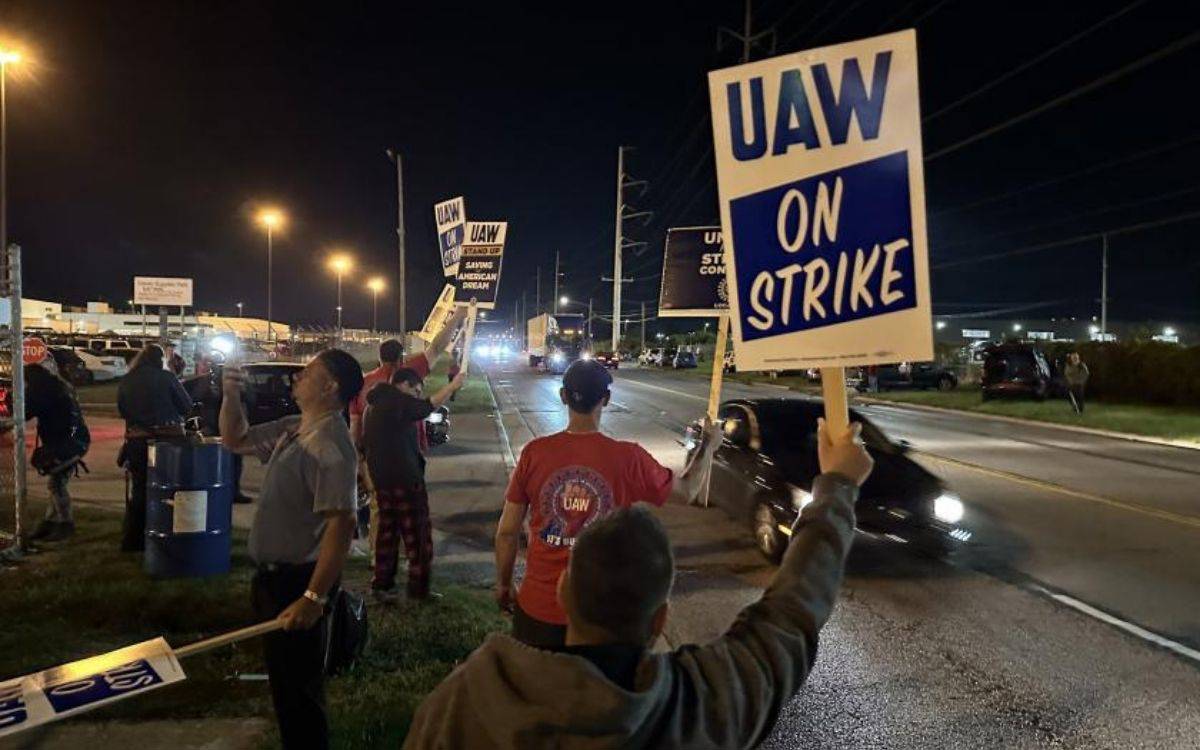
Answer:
(1128, 627)
(665, 390)
(1164, 515)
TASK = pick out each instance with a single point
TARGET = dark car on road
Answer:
(1015, 370)
(608, 359)
(684, 360)
(71, 367)
(920, 375)
(764, 469)
(668, 358)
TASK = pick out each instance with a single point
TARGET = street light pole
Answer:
(402, 301)
(270, 261)
(339, 301)
(6, 58)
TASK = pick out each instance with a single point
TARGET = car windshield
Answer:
(791, 425)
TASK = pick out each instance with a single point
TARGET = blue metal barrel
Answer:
(189, 510)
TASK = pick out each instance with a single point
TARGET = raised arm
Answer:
(764, 658)
(438, 346)
(233, 423)
(690, 482)
(448, 390)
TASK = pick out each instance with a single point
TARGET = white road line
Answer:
(1128, 627)
(664, 390)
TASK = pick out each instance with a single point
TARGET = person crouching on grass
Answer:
(604, 688)
(301, 532)
(392, 445)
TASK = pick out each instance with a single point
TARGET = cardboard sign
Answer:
(822, 195)
(451, 218)
(33, 351)
(157, 290)
(694, 282)
(47, 696)
(479, 269)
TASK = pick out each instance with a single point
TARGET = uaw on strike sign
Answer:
(694, 280)
(479, 267)
(451, 219)
(822, 196)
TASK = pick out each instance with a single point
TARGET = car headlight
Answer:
(585, 356)
(223, 345)
(800, 498)
(436, 418)
(557, 357)
(948, 508)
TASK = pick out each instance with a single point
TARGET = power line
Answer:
(1031, 62)
(1138, 156)
(1069, 241)
(917, 21)
(1071, 95)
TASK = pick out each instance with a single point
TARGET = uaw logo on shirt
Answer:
(572, 498)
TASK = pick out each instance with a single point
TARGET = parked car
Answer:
(1016, 370)
(668, 358)
(608, 359)
(650, 358)
(763, 472)
(71, 367)
(921, 375)
(268, 394)
(103, 367)
(684, 360)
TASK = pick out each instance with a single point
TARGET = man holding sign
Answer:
(821, 183)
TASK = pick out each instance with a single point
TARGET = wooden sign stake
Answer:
(469, 338)
(833, 389)
(714, 390)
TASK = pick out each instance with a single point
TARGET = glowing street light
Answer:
(376, 284)
(940, 325)
(271, 219)
(1168, 331)
(564, 300)
(1016, 326)
(340, 264)
(239, 307)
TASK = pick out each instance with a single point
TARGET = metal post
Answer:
(643, 325)
(270, 248)
(374, 311)
(537, 295)
(143, 322)
(403, 301)
(555, 282)
(17, 348)
(1104, 289)
(339, 305)
(618, 241)
(589, 328)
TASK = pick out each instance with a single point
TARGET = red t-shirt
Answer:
(569, 480)
(382, 374)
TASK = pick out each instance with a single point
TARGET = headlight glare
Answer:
(948, 508)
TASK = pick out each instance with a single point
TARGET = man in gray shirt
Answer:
(301, 531)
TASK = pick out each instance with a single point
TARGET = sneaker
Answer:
(62, 530)
(44, 528)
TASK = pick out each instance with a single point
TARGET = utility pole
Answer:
(643, 325)
(619, 241)
(402, 301)
(589, 320)
(556, 274)
(537, 295)
(1104, 288)
(746, 36)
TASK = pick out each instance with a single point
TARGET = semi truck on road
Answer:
(555, 341)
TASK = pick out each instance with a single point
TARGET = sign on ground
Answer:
(451, 218)
(160, 290)
(479, 268)
(822, 197)
(693, 281)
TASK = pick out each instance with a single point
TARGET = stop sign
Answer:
(34, 351)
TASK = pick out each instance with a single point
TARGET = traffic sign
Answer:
(822, 197)
(34, 351)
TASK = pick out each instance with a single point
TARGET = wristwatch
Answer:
(315, 598)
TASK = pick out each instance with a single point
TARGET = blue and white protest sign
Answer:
(80, 686)
(451, 218)
(479, 267)
(822, 196)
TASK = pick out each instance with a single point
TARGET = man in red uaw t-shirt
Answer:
(563, 483)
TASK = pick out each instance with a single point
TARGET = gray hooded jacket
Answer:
(725, 694)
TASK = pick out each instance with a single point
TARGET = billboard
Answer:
(451, 218)
(479, 268)
(822, 198)
(160, 290)
(694, 280)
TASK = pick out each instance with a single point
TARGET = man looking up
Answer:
(301, 530)
(567, 481)
(604, 688)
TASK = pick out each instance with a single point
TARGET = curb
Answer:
(1128, 436)
(510, 460)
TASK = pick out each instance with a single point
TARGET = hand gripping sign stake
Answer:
(80, 686)
(714, 389)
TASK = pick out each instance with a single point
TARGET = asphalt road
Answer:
(1020, 640)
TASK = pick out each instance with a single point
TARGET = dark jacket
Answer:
(391, 441)
(725, 694)
(150, 397)
(49, 398)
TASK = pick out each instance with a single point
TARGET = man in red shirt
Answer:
(566, 481)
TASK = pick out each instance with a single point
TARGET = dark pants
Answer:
(59, 508)
(237, 474)
(536, 633)
(295, 660)
(403, 515)
(1076, 393)
(133, 528)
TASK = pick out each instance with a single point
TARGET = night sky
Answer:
(148, 132)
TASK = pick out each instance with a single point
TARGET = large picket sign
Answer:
(479, 267)
(80, 686)
(821, 184)
(693, 279)
(451, 218)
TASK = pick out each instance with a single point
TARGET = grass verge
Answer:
(1172, 423)
(83, 597)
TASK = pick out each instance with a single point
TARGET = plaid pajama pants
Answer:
(403, 515)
